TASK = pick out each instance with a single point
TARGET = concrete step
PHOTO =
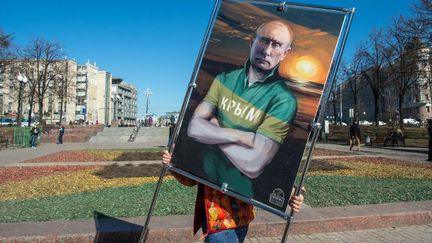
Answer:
(112, 134)
(178, 228)
(147, 134)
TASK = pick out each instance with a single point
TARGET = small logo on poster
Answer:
(277, 197)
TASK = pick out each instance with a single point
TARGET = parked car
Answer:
(381, 123)
(24, 122)
(7, 122)
(411, 121)
(365, 123)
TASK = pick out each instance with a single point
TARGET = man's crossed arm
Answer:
(248, 151)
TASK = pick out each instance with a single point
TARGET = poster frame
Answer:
(316, 125)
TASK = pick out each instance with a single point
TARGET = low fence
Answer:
(17, 136)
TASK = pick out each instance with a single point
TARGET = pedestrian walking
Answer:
(429, 128)
(354, 135)
(61, 134)
(171, 132)
(34, 136)
(400, 137)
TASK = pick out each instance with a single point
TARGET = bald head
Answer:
(279, 28)
(271, 45)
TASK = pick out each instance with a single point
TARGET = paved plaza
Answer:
(415, 233)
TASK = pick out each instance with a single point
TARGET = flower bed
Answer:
(9, 174)
(329, 152)
(71, 192)
(67, 182)
(93, 155)
(371, 167)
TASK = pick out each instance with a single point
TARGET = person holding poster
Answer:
(223, 218)
(246, 114)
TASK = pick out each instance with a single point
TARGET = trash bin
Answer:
(323, 136)
(368, 140)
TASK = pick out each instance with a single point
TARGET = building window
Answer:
(1, 104)
(50, 101)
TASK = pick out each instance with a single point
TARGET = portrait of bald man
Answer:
(246, 114)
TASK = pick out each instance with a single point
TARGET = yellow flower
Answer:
(66, 183)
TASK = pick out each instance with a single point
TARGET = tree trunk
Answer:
(40, 112)
(334, 111)
(401, 101)
(30, 111)
(355, 107)
(376, 108)
(61, 110)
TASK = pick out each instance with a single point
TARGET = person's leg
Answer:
(351, 143)
(358, 144)
(228, 236)
(33, 143)
(241, 233)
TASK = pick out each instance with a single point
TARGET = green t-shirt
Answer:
(266, 107)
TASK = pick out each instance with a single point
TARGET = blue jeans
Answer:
(226, 236)
(34, 140)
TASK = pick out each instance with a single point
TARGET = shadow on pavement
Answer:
(109, 229)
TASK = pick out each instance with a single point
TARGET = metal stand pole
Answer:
(144, 233)
(316, 129)
(317, 126)
(192, 85)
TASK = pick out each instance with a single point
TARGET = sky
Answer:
(152, 44)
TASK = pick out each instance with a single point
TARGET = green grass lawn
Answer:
(322, 191)
(331, 182)
(330, 191)
(115, 202)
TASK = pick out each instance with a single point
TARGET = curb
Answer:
(179, 228)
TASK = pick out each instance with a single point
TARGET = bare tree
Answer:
(41, 58)
(423, 18)
(352, 74)
(334, 99)
(27, 66)
(6, 54)
(406, 62)
(372, 62)
(64, 83)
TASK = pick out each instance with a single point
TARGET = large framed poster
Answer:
(263, 72)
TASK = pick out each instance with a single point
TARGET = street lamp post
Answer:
(147, 94)
(22, 81)
(115, 98)
(341, 106)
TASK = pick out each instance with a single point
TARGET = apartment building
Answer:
(124, 99)
(85, 95)
(59, 97)
(92, 95)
